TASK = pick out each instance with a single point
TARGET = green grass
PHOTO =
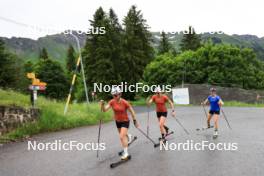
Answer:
(139, 102)
(51, 118)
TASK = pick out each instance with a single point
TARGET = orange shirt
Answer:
(160, 102)
(120, 109)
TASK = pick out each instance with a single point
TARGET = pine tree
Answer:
(2, 46)
(29, 67)
(164, 46)
(71, 59)
(5, 67)
(100, 51)
(137, 48)
(53, 74)
(71, 66)
(116, 33)
(11, 70)
(118, 55)
(43, 54)
(190, 41)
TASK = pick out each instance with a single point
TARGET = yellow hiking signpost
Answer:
(35, 86)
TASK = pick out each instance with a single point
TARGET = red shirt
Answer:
(160, 102)
(120, 109)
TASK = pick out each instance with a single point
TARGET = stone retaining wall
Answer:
(14, 116)
(198, 93)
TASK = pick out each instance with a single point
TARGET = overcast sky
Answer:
(230, 16)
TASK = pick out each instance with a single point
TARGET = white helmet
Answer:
(116, 90)
(158, 90)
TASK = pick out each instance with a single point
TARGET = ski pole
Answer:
(142, 132)
(148, 123)
(99, 133)
(204, 111)
(181, 125)
(226, 119)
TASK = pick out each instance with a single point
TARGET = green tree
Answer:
(219, 64)
(164, 45)
(43, 54)
(190, 40)
(71, 66)
(29, 67)
(52, 73)
(161, 69)
(11, 70)
(100, 51)
(71, 59)
(115, 31)
(138, 51)
(6, 68)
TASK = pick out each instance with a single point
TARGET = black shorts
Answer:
(123, 124)
(164, 114)
(214, 112)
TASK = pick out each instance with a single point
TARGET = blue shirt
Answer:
(214, 106)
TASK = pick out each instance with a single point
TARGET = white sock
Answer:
(125, 150)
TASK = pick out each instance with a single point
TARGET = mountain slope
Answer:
(57, 45)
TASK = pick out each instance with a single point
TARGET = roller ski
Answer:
(123, 160)
(204, 128)
(215, 134)
(162, 140)
(167, 134)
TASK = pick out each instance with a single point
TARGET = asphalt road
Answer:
(248, 159)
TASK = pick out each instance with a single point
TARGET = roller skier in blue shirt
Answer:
(215, 103)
